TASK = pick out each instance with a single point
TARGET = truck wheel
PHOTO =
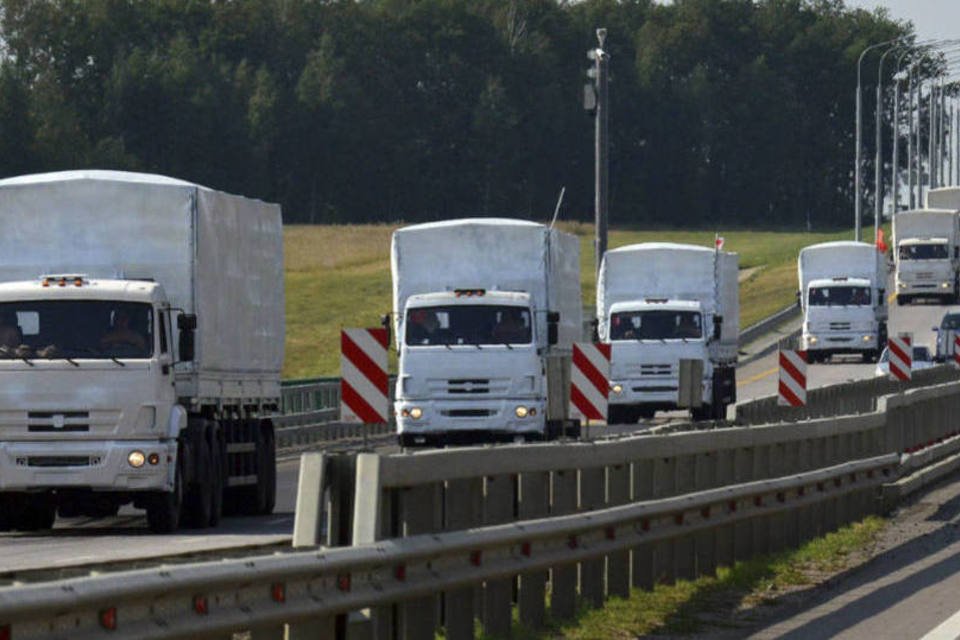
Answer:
(647, 414)
(266, 470)
(198, 498)
(616, 414)
(700, 414)
(217, 457)
(38, 514)
(6, 513)
(163, 509)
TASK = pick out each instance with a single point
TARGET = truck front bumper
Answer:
(474, 415)
(925, 288)
(96, 465)
(661, 393)
(840, 342)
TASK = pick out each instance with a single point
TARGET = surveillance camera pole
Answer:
(601, 149)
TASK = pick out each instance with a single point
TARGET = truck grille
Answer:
(460, 386)
(468, 413)
(924, 275)
(656, 369)
(839, 326)
(57, 461)
(56, 421)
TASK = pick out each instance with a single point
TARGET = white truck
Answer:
(943, 198)
(141, 340)
(485, 314)
(843, 299)
(927, 254)
(658, 303)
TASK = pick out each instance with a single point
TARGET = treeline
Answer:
(724, 112)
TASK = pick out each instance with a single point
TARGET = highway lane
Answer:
(759, 378)
(81, 541)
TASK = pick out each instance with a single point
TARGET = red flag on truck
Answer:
(881, 245)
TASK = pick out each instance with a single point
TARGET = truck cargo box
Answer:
(491, 253)
(675, 272)
(216, 255)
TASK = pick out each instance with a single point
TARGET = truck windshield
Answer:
(839, 296)
(75, 329)
(924, 252)
(655, 325)
(468, 324)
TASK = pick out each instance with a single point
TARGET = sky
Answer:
(931, 18)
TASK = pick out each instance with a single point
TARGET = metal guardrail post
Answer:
(618, 564)
(463, 506)
(684, 553)
(664, 484)
(642, 556)
(705, 542)
(563, 578)
(419, 510)
(534, 502)
(592, 497)
(498, 594)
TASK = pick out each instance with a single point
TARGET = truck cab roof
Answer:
(656, 304)
(66, 287)
(840, 282)
(469, 296)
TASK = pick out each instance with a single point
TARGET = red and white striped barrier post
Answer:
(590, 381)
(901, 356)
(792, 390)
(364, 381)
(956, 349)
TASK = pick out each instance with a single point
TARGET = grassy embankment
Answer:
(339, 276)
(721, 602)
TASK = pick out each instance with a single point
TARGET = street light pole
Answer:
(878, 157)
(859, 124)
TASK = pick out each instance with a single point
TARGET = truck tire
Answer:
(266, 470)
(164, 508)
(198, 498)
(218, 451)
(6, 513)
(38, 513)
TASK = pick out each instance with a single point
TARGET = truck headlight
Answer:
(944, 285)
(413, 412)
(901, 285)
(812, 339)
(867, 338)
(136, 459)
(521, 412)
(617, 389)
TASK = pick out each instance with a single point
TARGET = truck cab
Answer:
(88, 410)
(470, 367)
(842, 318)
(648, 339)
(926, 266)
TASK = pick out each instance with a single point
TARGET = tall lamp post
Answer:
(601, 108)
(878, 157)
(859, 141)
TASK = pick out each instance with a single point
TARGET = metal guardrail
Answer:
(309, 589)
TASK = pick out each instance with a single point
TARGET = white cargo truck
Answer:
(657, 304)
(943, 198)
(927, 254)
(141, 340)
(485, 314)
(843, 298)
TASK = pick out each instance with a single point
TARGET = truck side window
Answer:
(162, 315)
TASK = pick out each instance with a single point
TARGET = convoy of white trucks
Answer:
(843, 298)
(142, 333)
(927, 255)
(658, 304)
(141, 341)
(485, 313)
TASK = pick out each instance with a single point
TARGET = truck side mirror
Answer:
(717, 327)
(385, 323)
(553, 329)
(799, 299)
(595, 330)
(187, 324)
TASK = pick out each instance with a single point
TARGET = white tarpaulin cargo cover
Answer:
(666, 270)
(943, 198)
(491, 253)
(217, 255)
(841, 259)
(926, 223)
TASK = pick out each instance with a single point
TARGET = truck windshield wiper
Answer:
(507, 345)
(27, 360)
(71, 361)
(114, 358)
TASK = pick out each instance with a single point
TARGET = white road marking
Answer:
(949, 629)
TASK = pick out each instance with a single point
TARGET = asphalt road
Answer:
(80, 541)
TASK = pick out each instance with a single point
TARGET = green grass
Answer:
(339, 276)
(690, 606)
